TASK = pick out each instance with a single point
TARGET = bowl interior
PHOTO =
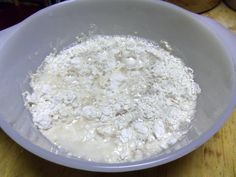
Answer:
(57, 27)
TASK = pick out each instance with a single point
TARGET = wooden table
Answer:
(215, 158)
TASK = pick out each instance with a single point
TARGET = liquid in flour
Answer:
(113, 98)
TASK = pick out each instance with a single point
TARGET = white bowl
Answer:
(206, 46)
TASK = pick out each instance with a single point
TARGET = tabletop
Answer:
(216, 158)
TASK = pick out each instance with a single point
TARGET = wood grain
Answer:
(216, 158)
(198, 6)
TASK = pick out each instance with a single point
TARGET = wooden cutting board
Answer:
(216, 158)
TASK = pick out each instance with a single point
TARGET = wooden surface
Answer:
(216, 158)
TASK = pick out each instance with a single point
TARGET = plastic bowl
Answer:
(205, 45)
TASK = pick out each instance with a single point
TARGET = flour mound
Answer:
(127, 97)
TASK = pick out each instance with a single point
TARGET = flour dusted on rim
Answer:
(113, 98)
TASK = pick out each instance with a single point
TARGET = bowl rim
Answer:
(127, 166)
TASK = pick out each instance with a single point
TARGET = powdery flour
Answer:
(113, 98)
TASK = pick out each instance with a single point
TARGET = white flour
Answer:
(113, 98)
